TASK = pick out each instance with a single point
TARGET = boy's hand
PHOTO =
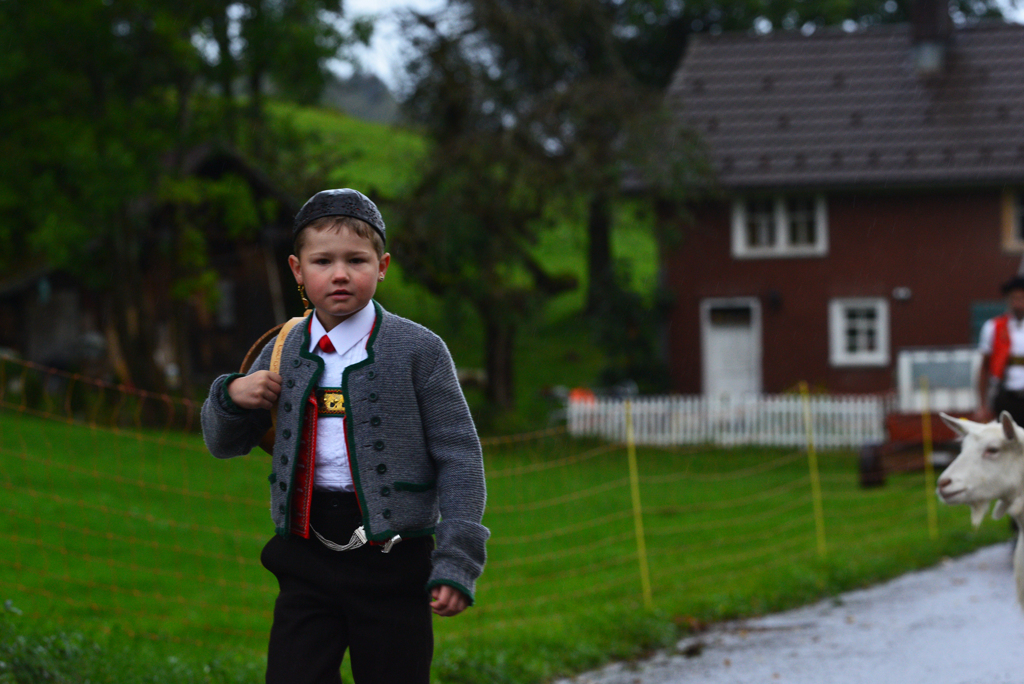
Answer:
(258, 390)
(447, 601)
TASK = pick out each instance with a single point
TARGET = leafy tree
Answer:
(469, 225)
(101, 102)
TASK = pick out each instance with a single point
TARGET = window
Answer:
(1013, 221)
(780, 227)
(859, 332)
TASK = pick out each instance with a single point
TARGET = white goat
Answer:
(990, 467)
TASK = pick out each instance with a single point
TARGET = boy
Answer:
(373, 442)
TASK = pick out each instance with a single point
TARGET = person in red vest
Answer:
(1001, 380)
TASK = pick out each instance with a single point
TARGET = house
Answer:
(51, 318)
(869, 194)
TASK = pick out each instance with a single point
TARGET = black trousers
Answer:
(1013, 402)
(372, 604)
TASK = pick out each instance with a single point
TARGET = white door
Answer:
(731, 336)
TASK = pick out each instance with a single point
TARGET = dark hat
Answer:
(1014, 283)
(343, 202)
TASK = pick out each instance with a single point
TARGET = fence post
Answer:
(812, 462)
(638, 520)
(929, 468)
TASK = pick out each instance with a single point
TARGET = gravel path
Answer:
(957, 623)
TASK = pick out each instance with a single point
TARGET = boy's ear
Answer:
(293, 263)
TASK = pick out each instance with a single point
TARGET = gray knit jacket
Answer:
(412, 444)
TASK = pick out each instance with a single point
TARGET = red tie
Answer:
(325, 344)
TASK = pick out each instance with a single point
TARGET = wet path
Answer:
(957, 623)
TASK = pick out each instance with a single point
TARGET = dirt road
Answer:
(957, 623)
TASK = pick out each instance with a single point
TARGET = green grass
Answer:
(142, 548)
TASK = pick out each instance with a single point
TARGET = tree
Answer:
(469, 225)
(101, 99)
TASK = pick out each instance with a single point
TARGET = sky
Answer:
(382, 57)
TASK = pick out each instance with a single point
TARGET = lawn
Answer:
(143, 544)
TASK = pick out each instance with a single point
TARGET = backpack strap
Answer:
(280, 334)
(275, 360)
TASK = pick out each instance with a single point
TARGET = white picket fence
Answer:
(769, 420)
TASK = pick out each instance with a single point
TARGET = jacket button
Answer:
(286, 433)
(385, 491)
(373, 396)
(284, 460)
(296, 363)
(284, 487)
(290, 383)
(375, 421)
(280, 509)
(371, 374)
(379, 445)
(386, 513)
(382, 469)
(287, 406)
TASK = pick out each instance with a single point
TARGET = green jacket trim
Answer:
(228, 401)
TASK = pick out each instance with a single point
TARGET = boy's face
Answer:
(340, 271)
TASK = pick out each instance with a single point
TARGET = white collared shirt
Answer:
(349, 338)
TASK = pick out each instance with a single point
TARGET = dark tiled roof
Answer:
(835, 108)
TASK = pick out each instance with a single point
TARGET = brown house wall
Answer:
(945, 246)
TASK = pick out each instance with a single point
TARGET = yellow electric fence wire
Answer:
(783, 547)
(555, 501)
(564, 596)
(493, 565)
(705, 526)
(549, 465)
(588, 569)
(694, 545)
(929, 468)
(116, 589)
(559, 532)
(139, 483)
(733, 502)
(129, 513)
(138, 614)
(524, 437)
(151, 544)
(740, 474)
(720, 542)
(812, 461)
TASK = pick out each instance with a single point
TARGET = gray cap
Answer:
(342, 202)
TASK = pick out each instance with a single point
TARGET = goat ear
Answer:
(957, 425)
(999, 510)
(1009, 427)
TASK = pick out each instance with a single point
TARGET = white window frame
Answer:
(1013, 220)
(741, 249)
(838, 355)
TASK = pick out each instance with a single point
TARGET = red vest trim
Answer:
(302, 480)
(1000, 346)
